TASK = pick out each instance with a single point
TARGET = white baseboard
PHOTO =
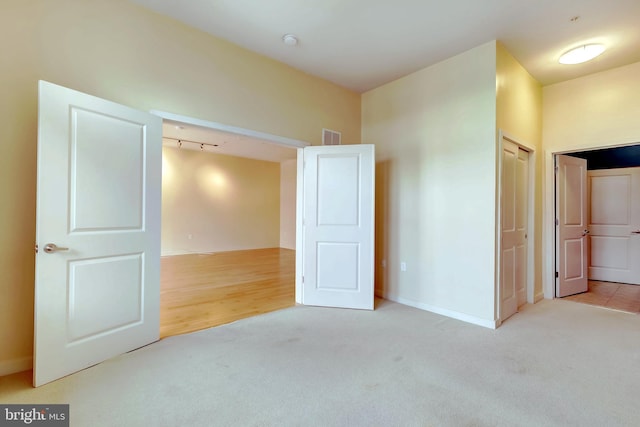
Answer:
(13, 366)
(538, 297)
(491, 324)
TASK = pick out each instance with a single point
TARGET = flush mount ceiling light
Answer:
(581, 54)
(289, 40)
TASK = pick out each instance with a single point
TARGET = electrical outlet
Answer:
(403, 266)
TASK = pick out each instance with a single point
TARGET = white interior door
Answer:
(514, 219)
(614, 223)
(338, 226)
(572, 231)
(97, 230)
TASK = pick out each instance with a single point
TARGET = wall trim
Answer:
(276, 139)
(13, 366)
(491, 324)
(299, 225)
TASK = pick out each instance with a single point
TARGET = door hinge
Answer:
(302, 279)
(556, 274)
(36, 248)
(557, 222)
(555, 169)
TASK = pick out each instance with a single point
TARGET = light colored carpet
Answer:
(556, 363)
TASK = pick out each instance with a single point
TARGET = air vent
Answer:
(331, 137)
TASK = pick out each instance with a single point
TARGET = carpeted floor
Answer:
(556, 363)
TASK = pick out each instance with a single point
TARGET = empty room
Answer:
(228, 227)
(428, 253)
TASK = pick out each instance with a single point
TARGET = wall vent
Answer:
(331, 137)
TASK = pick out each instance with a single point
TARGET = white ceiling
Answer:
(362, 44)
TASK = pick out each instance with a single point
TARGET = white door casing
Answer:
(614, 225)
(572, 231)
(338, 226)
(514, 228)
(99, 175)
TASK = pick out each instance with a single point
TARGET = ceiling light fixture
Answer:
(184, 143)
(289, 40)
(581, 54)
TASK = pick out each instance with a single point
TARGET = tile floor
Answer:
(617, 296)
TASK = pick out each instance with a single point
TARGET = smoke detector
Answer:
(289, 40)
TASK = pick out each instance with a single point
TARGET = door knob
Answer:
(585, 232)
(52, 247)
(635, 232)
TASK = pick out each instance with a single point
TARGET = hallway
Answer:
(617, 296)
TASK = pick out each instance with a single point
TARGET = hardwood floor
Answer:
(618, 296)
(199, 291)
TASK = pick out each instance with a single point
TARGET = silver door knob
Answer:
(52, 247)
(635, 232)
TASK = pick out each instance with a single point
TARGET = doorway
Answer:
(612, 228)
(106, 265)
(228, 226)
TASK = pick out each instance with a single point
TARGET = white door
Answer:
(338, 226)
(97, 231)
(572, 231)
(514, 219)
(614, 223)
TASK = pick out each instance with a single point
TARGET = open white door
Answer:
(97, 273)
(571, 206)
(338, 226)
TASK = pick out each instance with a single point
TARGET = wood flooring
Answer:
(617, 296)
(199, 291)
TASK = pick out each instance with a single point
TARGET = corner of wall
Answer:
(13, 366)
(519, 114)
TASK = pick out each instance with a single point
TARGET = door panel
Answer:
(119, 149)
(99, 167)
(614, 201)
(105, 294)
(338, 246)
(522, 224)
(514, 225)
(571, 205)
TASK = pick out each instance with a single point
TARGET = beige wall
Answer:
(599, 110)
(119, 51)
(434, 133)
(288, 175)
(519, 114)
(216, 203)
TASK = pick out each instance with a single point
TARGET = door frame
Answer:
(549, 237)
(272, 139)
(531, 184)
